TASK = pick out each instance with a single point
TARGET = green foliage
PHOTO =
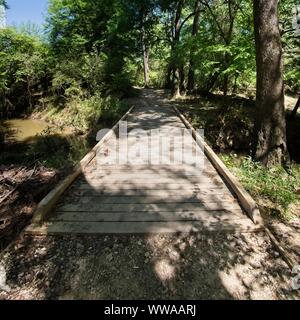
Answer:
(56, 151)
(4, 3)
(24, 70)
(84, 114)
(78, 76)
(93, 30)
(275, 185)
(291, 44)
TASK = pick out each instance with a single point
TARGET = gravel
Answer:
(212, 266)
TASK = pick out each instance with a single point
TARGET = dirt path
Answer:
(199, 266)
(205, 265)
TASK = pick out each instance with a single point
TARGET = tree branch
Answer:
(204, 2)
(188, 18)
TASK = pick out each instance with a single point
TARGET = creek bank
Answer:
(21, 188)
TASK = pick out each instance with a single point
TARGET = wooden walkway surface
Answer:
(143, 198)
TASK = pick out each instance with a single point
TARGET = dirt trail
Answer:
(178, 266)
(215, 266)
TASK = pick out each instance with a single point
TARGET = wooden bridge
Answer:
(144, 198)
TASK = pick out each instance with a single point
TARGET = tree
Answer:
(175, 42)
(24, 69)
(270, 144)
(144, 15)
(195, 29)
(79, 27)
(4, 4)
(295, 110)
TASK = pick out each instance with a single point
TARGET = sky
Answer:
(26, 10)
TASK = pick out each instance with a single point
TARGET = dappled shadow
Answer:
(219, 261)
(21, 188)
(222, 117)
(52, 149)
(28, 171)
(182, 266)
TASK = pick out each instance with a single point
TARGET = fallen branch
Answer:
(285, 256)
(3, 179)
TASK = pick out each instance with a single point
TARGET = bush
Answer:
(85, 114)
(24, 71)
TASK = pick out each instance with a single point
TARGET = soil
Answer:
(199, 266)
(288, 234)
(21, 188)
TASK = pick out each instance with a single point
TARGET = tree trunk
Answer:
(176, 83)
(270, 142)
(225, 85)
(145, 53)
(235, 85)
(182, 86)
(226, 65)
(168, 84)
(145, 60)
(176, 71)
(211, 82)
(196, 23)
(294, 113)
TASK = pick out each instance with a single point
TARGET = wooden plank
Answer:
(196, 215)
(102, 172)
(244, 197)
(155, 186)
(150, 173)
(153, 178)
(152, 186)
(143, 181)
(152, 168)
(149, 199)
(46, 205)
(87, 190)
(92, 228)
(153, 207)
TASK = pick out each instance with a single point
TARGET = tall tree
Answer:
(175, 43)
(145, 50)
(270, 144)
(147, 21)
(191, 74)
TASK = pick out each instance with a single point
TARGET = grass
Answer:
(228, 124)
(275, 190)
(84, 114)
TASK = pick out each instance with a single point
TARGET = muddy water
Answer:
(23, 130)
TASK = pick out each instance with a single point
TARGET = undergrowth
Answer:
(84, 114)
(275, 189)
(78, 119)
